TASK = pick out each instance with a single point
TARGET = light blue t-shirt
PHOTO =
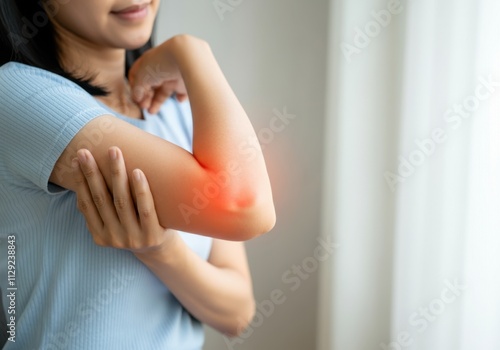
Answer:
(71, 293)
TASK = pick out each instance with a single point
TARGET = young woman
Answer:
(78, 137)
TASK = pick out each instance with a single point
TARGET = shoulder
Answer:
(27, 91)
(20, 81)
(16, 71)
(40, 113)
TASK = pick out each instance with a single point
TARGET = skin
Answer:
(243, 208)
(218, 291)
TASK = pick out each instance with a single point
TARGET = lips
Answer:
(131, 9)
(134, 12)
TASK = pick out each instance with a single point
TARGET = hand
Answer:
(155, 76)
(115, 219)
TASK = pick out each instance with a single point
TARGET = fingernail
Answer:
(74, 163)
(137, 175)
(113, 154)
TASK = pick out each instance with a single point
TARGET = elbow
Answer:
(239, 322)
(254, 216)
(256, 222)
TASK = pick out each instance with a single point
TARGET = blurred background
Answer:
(274, 55)
(380, 123)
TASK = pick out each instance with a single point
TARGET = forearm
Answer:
(223, 134)
(220, 297)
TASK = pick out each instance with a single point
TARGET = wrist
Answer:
(184, 49)
(185, 42)
(168, 253)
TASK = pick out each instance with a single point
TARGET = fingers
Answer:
(160, 96)
(142, 95)
(85, 202)
(122, 199)
(152, 97)
(145, 202)
(112, 218)
(181, 91)
(151, 86)
(181, 97)
(98, 188)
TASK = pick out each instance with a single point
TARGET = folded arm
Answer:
(217, 292)
(240, 204)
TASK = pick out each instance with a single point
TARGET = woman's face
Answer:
(125, 24)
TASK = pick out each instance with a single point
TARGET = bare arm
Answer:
(218, 292)
(242, 207)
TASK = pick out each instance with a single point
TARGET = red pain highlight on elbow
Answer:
(222, 191)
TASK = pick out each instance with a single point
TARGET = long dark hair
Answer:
(27, 36)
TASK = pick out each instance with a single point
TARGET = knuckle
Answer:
(99, 200)
(83, 205)
(115, 171)
(117, 244)
(88, 171)
(140, 193)
(99, 241)
(135, 245)
(146, 213)
(121, 203)
(115, 238)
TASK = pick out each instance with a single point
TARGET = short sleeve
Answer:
(40, 113)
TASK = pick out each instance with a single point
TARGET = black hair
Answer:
(28, 36)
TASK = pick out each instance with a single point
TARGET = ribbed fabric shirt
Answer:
(71, 293)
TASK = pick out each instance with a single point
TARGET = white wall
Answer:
(274, 55)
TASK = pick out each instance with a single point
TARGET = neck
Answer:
(105, 67)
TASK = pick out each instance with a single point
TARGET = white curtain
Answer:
(412, 176)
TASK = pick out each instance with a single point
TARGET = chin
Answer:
(135, 43)
(135, 46)
(134, 36)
